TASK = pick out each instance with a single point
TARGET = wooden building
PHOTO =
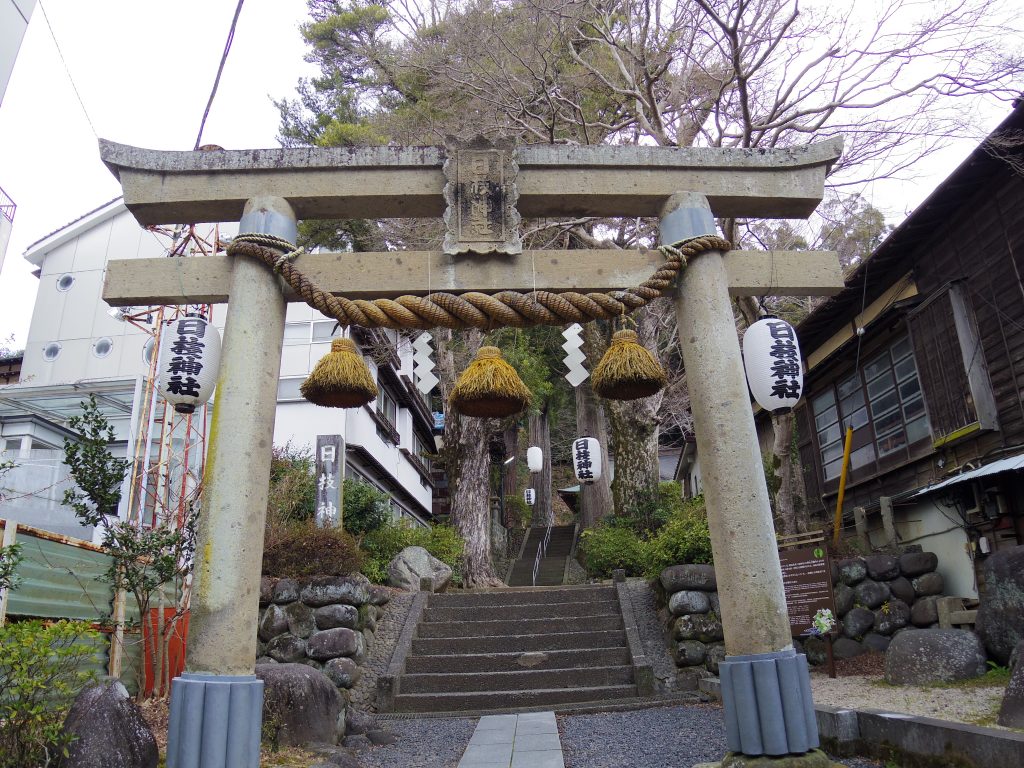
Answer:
(923, 354)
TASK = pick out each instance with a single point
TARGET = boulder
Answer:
(715, 656)
(924, 612)
(332, 643)
(413, 564)
(852, 570)
(882, 567)
(300, 619)
(379, 737)
(871, 594)
(891, 616)
(844, 599)
(266, 590)
(876, 643)
(918, 563)
(287, 648)
(1011, 712)
(326, 590)
(857, 622)
(924, 656)
(343, 672)
(845, 648)
(689, 576)
(379, 595)
(273, 623)
(698, 626)
(358, 722)
(690, 653)
(716, 603)
(108, 730)
(331, 616)
(816, 650)
(301, 706)
(688, 601)
(928, 584)
(902, 589)
(286, 591)
(1000, 621)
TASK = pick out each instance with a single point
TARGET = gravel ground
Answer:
(672, 737)
(426, 743)
(389, 627)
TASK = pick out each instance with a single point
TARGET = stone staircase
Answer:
(513, 648)
(552, 566)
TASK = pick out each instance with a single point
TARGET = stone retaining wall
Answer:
(876, 597)
(326, 622)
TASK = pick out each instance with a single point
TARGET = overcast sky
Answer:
(144, 72)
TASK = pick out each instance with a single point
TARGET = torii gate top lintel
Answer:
(169, 187)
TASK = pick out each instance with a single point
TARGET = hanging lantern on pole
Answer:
(530, 496)
(534, 458)
(771, 358)
(586, 459)
(188, 362)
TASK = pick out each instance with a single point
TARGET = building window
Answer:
(884, 405)
(64, 282)
(288, 389)
(51, 351)
(387, 409)
(296, 333)
(12, 446)
(419, 450)
(325, 330)
(102, 347)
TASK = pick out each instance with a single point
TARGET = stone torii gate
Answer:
(216, 703)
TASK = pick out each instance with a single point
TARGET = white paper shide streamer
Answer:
(188, 363)
(771, 357)
(586, 459)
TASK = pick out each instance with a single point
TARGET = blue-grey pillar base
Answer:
(767, 703)
(216, 721)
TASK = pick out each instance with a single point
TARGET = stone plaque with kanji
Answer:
(481, 194)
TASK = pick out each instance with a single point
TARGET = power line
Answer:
(220, 71)
(67, 70)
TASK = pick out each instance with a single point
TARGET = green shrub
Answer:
(621, 543)
(609, 546)
(381, 546)
(518, 511)
(303, 549)
(366, 507)
(41, 671)
(292, 494)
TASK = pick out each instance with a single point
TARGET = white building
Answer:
(77, 346)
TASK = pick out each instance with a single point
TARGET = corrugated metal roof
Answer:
(1011, 464)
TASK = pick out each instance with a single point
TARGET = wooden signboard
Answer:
(807, 579)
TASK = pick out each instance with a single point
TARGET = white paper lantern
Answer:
(535, 458)
(771, 357)
(586, 459)
(530, 496)
(189, 358)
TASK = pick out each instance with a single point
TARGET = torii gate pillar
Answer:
(766, 691)
(217, 704)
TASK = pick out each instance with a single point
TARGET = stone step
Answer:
(521, 596)
(426, 646)
(505, 627)
(576, 658)
(524, 680)
(532, 611)
(486, 700)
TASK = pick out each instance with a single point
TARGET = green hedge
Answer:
(619, 543)
(380, 547)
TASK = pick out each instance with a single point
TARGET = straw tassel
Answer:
(340, 379)
(489, 387)
(627, 371)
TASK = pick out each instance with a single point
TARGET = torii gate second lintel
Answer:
(272, 188)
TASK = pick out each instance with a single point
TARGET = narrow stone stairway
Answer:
(552, 566)
(514, 648)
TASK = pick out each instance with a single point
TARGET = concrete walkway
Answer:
(515, 741)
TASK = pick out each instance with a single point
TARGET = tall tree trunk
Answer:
(540, 436)
(634, 431)
(467, 463)
(595, 498)
(510, 485)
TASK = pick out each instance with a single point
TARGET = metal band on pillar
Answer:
(217, 704)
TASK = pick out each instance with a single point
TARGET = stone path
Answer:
(389, 627)
(652, 636)
(528, 740)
